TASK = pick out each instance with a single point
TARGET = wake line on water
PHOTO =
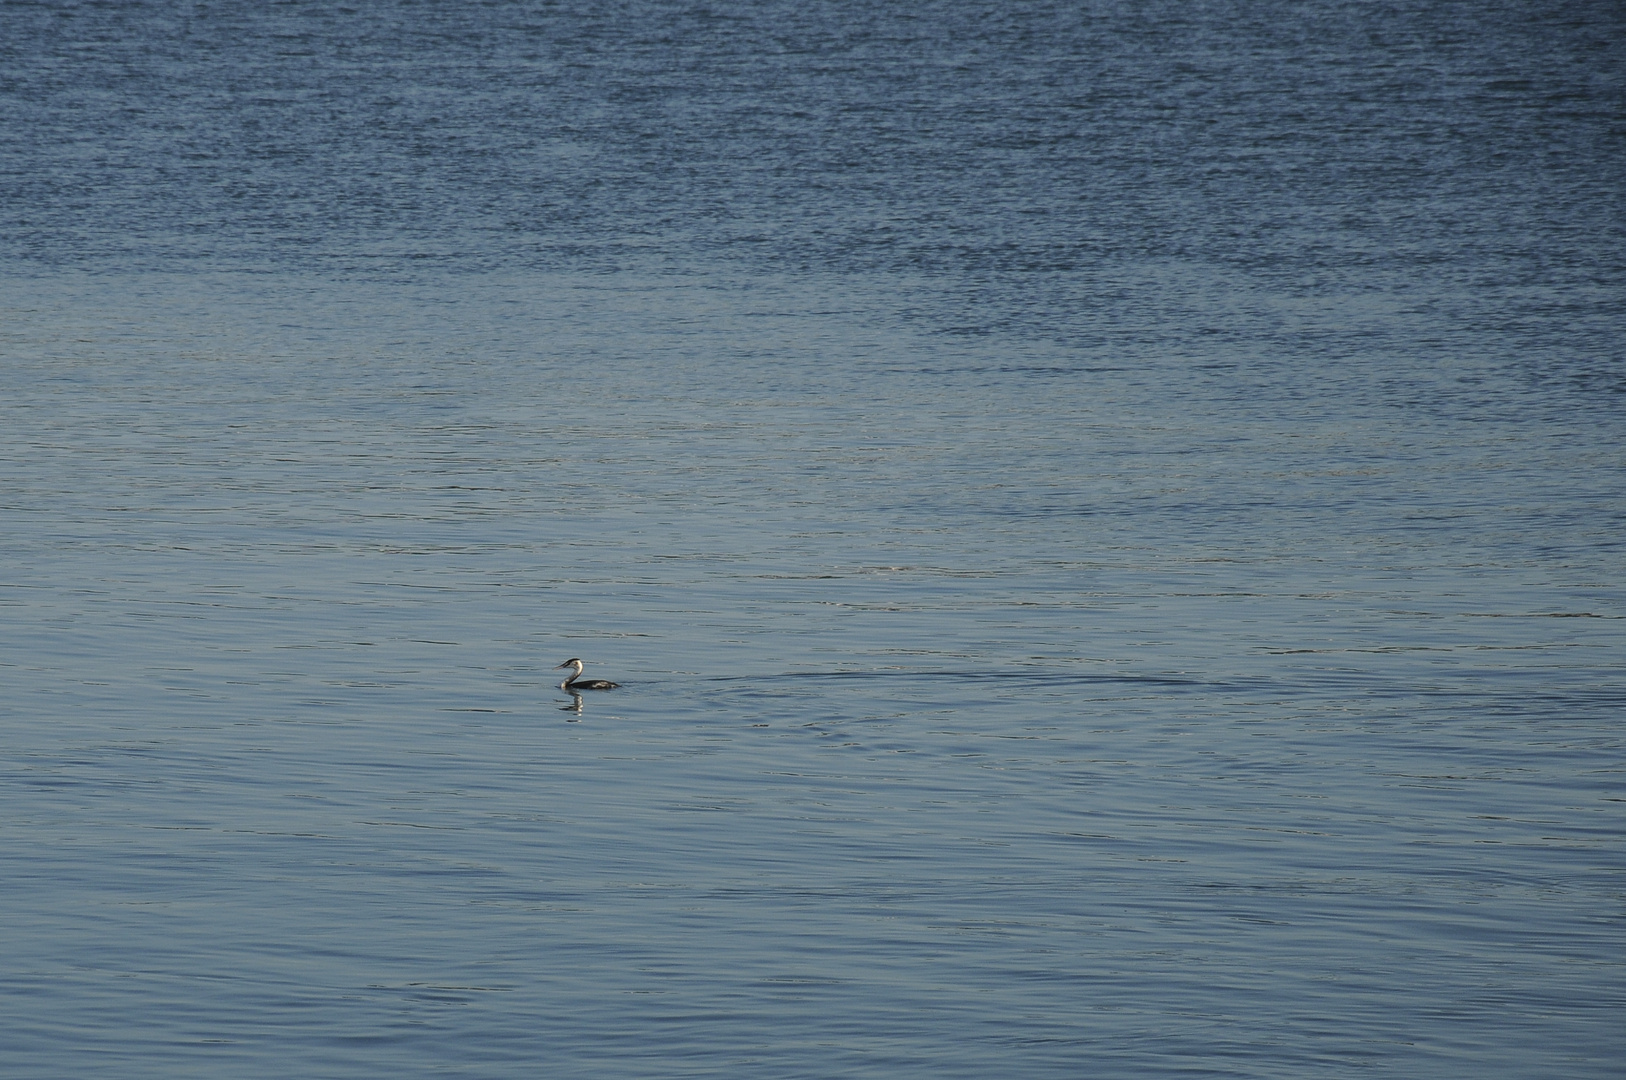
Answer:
(1049, 677)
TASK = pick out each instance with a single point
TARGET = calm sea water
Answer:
(1108, 516)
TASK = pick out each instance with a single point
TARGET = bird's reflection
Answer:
(575, 706)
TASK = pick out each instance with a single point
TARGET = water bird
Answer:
(574, 680)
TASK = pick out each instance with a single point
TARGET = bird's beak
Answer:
(561, 667)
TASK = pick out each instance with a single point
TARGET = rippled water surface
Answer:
(1108, 519)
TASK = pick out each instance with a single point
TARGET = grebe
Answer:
(571, 681)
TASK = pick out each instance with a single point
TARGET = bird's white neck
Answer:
(575, 673)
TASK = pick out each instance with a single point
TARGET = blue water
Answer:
(1108, 519)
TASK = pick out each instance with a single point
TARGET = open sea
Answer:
(1110, 520)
